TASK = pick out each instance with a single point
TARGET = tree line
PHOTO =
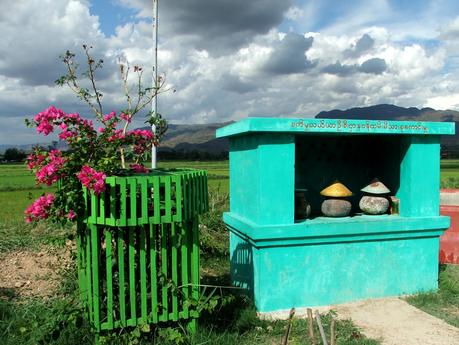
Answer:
(13, 154)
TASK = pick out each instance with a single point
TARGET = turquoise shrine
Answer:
(283, 262)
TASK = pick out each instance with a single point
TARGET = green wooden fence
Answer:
(138, 248)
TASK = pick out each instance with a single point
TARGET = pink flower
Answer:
(45, 119)
(109, 116)
(92, 179)
(66, 135)
(71, 215)
(138, 168)
(51, 172)
(39, 209)
(142, 133)
(142, 139)
(88, 124)
(75, 117)
(35, 160)
(126, 117)
(118, 135)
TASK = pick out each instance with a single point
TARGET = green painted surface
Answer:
(256, 165)
(420, 176)
(324, 126)
(137, 239)
(340, 272)
(315, 270)
(322, 229)
(320, 261)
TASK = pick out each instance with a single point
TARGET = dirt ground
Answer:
(395, 322)
(32, 274)
(392, 320)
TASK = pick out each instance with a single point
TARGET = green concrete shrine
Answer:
(285, 263)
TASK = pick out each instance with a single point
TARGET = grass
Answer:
(443, 303)
(449, 173)
(58, 320)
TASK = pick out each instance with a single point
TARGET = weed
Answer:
(443, 303)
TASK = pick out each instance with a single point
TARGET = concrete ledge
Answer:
(330, 230)
(449, 197)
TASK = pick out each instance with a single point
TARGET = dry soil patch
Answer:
(396, 322)
(32, 274)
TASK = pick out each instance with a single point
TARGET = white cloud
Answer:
(294, 13)
(444, 102)
(219, 87)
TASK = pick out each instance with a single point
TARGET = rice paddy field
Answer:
(18, 188)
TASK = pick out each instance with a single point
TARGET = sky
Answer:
(229, 59)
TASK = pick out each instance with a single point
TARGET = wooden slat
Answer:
(174, 266)
(189, 196)
(178, 198)
(184, 267)
(109, 268)
(143, 273)
(156, 201)
(166, 180)
(132, 182)
(95, 245)
(121, 275)
(85, 198)
(201, 192)
(111, 220)
(195, 194)
(122, 221)
(164, 245)
(153, 275)
(89, 274)
(81, 262)
(144, 201)
(195, 259)
(94, 208)
(132, 292)
(206, 193)
(101, 215)
(185, 197)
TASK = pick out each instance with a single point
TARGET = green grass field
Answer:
(450, 173)
(18, 188)
(31, 321)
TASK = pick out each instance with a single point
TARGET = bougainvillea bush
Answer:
(96, 149)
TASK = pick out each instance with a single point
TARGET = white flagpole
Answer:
(154, 104)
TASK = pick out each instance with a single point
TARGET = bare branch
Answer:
(91, 76)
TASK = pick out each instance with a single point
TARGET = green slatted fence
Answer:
(138, 248)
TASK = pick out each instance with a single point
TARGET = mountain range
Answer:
(201, 137)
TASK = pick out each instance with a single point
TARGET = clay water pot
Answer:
(336, 207)
(302, 206)
(335, 204)
(374, 202)
(374, 205)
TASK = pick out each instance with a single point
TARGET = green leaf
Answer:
(145, 328)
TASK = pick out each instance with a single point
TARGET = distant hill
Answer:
(194, 137)
(201, 138)
(393, 112)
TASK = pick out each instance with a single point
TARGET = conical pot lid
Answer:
(376, 187)
(337, 190)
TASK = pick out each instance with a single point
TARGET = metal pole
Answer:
(154, 104)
